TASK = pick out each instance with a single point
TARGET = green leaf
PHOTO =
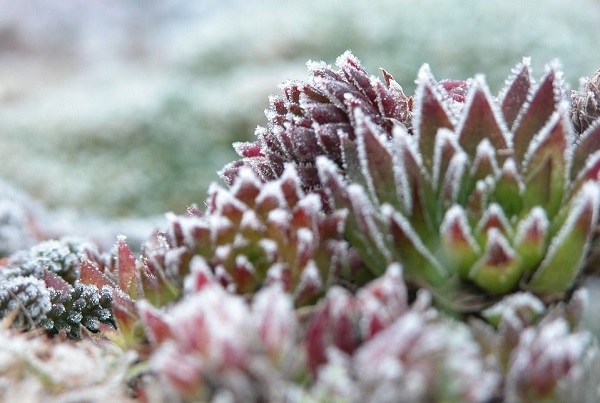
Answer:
(531, 237)
(499, 269)
(458, 244)
(545, 165)
(420, 264)
(509, 188)
(569, 247)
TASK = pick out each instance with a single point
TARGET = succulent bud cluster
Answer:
(43, 288)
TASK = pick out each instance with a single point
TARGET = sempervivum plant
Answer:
(475, 195)
(256, 234)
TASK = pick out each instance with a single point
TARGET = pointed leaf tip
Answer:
(569, 247)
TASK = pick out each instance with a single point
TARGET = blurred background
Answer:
(125, 109)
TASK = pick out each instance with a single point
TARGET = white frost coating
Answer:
(492, 213)
(495, 239)
(536, 219)
(515, 72)
(311, 203)
(305, 237)
(456, 215)
(272, 190)
(591, 161)
(400, 148)
(244, 175)
(424, 80)
(223, 252)
(362, 125)
(510, 170)
(550, 354)
(408, 357)
(243, 261)
(279, 217)
(217, 225)
(445, 139)
(340, 61)
(251, 220)
(406, 227)
(322, 84)
(291, 174)
(270, 248)
(198, 266)
(363, 208)
(485, 152)
(225, 320)
(479, 84)
(310, 277)
(188, 224)
(225, 197)
(558, 83)
(587, 198)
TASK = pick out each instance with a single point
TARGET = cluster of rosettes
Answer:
(374, 345)
(42, 288)
(355, 223)
(474, 195)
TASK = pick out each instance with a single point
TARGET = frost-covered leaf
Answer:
(569, 246)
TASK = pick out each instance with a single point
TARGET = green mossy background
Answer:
(125, 109)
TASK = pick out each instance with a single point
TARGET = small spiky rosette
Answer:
(307, 120)
(475, 195)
